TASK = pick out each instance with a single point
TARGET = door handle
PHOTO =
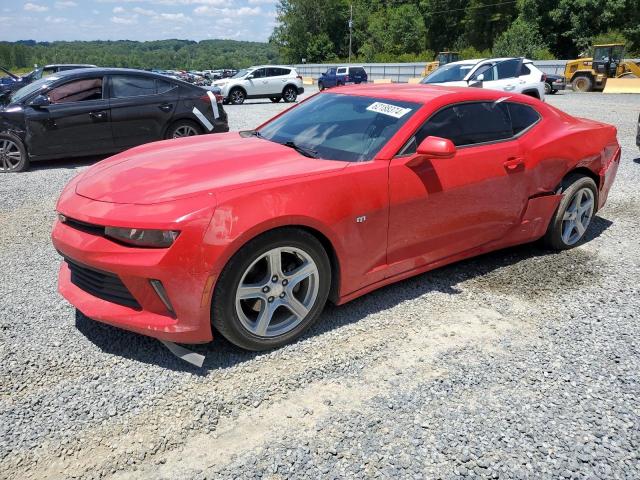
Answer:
(514, 164)
(165, 107)
(98, 115)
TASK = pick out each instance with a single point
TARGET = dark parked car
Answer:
(11, 82)
(99, 111)
(553, 83)
(335, 76)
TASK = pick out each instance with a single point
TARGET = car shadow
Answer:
(69, 164)
(221, 354)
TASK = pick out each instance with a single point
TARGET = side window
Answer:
(524, 70)
(125, 86)
(331, 71)
(508, 68)
(77, 91)
(260, 73)
(465, 124)
(487, 70)
(163, 86)
(522, 117)
(342, 71)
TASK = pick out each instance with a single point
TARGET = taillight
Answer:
(544, 77)
(219, 98)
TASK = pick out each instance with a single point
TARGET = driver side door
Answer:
(76, 122)
(443, 207)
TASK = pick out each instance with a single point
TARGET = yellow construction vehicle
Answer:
(442, 59)
(607, 70)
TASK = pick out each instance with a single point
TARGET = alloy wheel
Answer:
(578, 216)
(277, 291)
(10, 155)
(184, 131)
(237, 97)
(290, 95)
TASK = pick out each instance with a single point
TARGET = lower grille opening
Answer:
(103, 285)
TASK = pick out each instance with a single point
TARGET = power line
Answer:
(473, 8)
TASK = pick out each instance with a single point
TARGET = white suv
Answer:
(274, 82)
(517, 75)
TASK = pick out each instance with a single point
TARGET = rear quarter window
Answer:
(522, 117)
(342, 71)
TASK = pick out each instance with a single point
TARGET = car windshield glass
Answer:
(241, 73)
(27, 90)
(340, 127)
(449, 73)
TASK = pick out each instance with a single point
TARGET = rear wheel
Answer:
(547, 88)
(272, 290)
(13, 154)
(582, 83)
(574, 214)
(183, 128)
(289, 94)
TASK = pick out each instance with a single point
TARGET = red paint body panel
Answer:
(222, 191)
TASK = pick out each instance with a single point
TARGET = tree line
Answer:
(413, 30)
(162, 54)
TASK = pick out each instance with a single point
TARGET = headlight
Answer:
(143, 238)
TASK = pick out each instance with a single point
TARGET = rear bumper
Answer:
(300, 90)
(607, 176)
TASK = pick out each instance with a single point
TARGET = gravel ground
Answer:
(517, 364)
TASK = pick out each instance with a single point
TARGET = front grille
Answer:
(106, 286)
(84, 227)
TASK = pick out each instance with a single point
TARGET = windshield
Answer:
(340, 127)
(241, 73)
(24, 92)
(449, 73)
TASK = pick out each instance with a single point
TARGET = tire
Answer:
(553, 92)
(275, 99)
(13, 154)
(582, 83)
(289, 94)
(237, 319)
(578, 191)
(237, 96)
(183, 128)
(547, 88)
(320, 86)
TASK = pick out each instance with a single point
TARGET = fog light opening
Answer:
(162, 294)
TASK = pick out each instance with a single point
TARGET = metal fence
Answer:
(402, 72)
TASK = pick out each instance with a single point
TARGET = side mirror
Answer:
(436, 147)
(249, 77)
(40, 101)
(480, 78)
(477, 82)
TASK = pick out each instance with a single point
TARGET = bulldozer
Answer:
(606, 71)
(441, 59)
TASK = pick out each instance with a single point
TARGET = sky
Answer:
(49, 20)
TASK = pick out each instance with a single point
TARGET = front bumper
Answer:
(177, 268)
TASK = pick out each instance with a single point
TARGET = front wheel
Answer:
(272, 290)
(13, 154)
(237, 96)
(582, 83)
(290, 94)
(574, 214)
(320, 86)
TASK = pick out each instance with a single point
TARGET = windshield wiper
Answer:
(307, 152)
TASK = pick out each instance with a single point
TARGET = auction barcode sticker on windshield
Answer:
(387, 109)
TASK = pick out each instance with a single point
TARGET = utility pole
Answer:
(350, 28)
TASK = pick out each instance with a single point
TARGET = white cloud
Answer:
(125, 20)
(228, 12)
(34, 7)
(118, 10)
(145, 12)
(54, 20)
(173, 17)
(66, 4)
(262, 2)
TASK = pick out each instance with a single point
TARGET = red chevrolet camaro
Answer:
(250, 233)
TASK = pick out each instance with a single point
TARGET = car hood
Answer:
(220, 83)
(175, 169)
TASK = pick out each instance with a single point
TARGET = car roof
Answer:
(79, 72)
(474, 61)
(267, 66)
(423, 93)
(56, 65)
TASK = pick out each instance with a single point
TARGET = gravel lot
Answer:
(517, 364)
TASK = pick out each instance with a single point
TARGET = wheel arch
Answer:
(237, 87)
(292, 85)
(310, 227)
(177, 118)
(585, 172)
